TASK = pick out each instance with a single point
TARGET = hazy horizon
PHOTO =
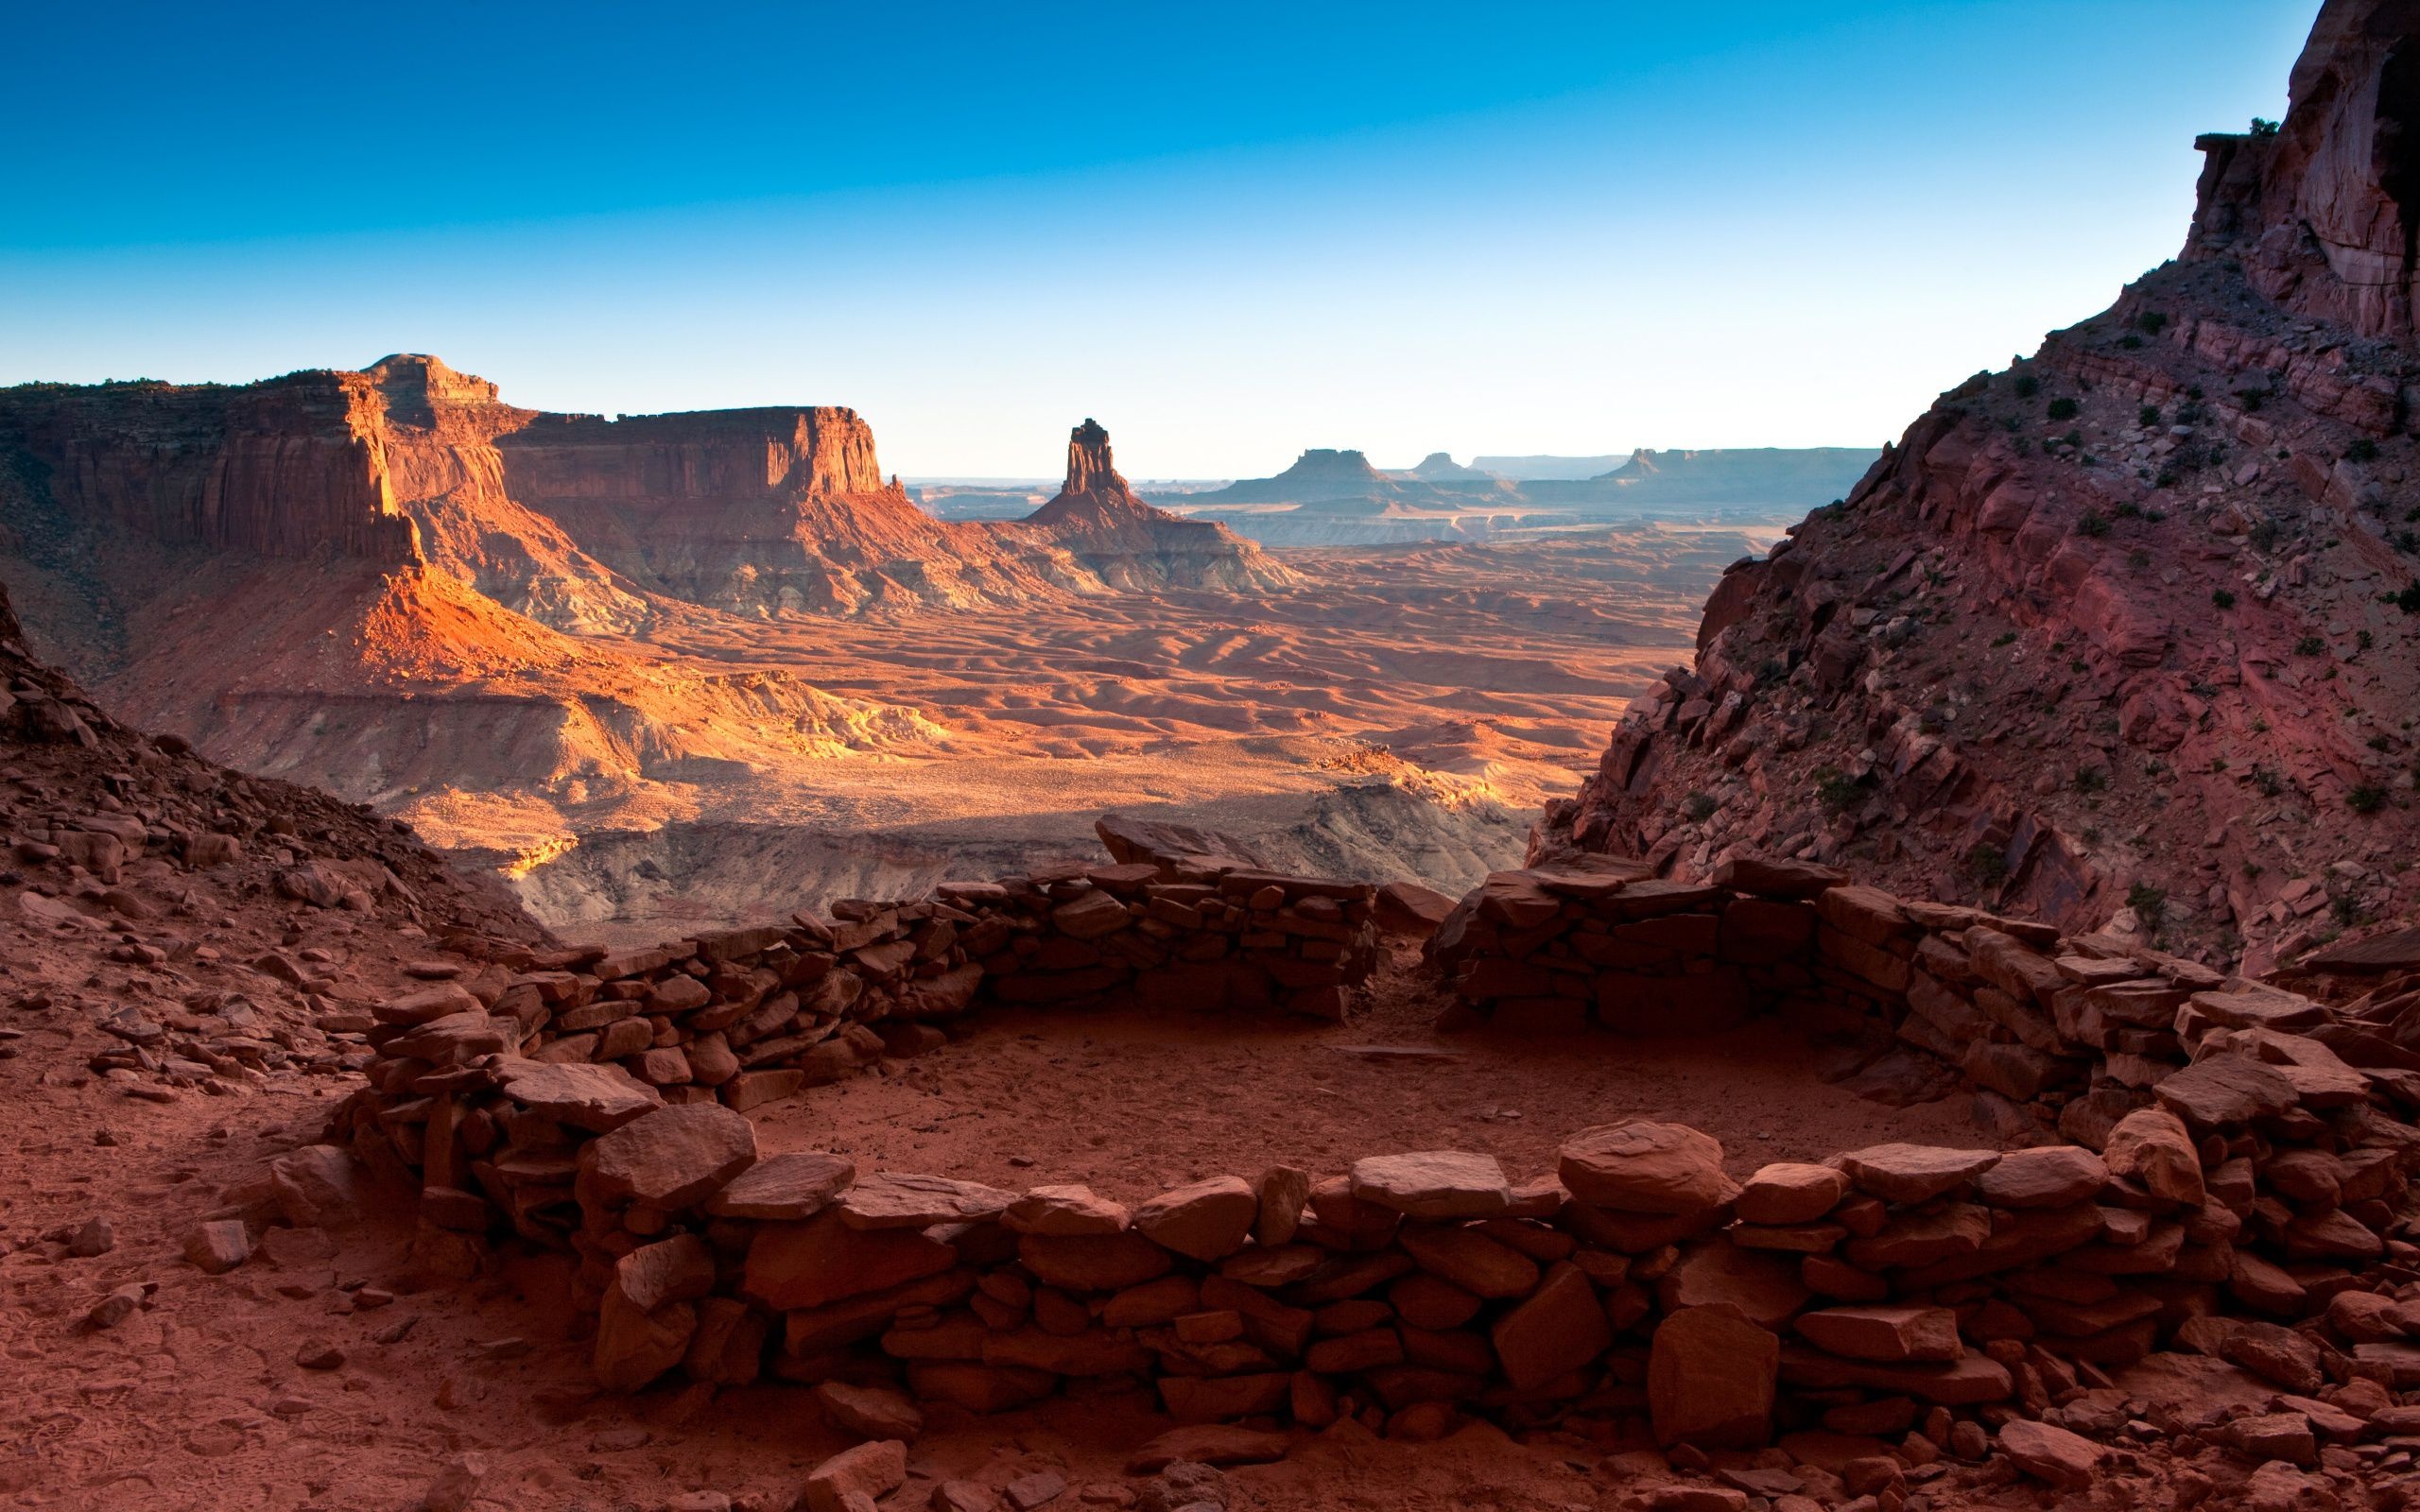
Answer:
(1573, 232)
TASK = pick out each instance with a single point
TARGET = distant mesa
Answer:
(1323, 478)
(1808, 474)
(1566, 469)
(1439, 467)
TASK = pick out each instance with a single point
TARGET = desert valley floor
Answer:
(1401, 713)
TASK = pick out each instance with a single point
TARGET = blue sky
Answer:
(1229, 231)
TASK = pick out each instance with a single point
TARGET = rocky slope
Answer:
(2127, 628)
(1128, 544)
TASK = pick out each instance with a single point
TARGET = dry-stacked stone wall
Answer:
(2232, 1181)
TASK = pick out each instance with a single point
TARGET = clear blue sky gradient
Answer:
(1229, 232)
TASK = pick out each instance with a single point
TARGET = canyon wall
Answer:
(2123, 631)
(2321, 211)
(282, 468)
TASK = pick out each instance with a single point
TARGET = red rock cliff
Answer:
(2128, 629)
(285, 468)
(2322, 212)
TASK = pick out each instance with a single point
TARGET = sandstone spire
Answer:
(1089, 467)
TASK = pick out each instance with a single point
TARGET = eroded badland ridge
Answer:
(2130, 624)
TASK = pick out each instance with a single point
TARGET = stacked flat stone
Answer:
(2220, 1168)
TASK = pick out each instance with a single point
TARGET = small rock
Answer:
(94, 1238)
(871, 1470)
(1207, 1444)
(871, 1412)
(318, 1355)
(1042, 1487)
(219, 1246)
(2069, 1461)
(456, 1485)
(1693, 1498)
(1182, 1486)
(118, 1307)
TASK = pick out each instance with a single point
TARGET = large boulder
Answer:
(1433, 1184)
(669, 1157)
(1643, 1167)
(1710, 1378)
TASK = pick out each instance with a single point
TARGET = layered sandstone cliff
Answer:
(2127, 629)
(284, 468)
(1130, 544)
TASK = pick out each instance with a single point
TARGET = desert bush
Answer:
(1987, 864)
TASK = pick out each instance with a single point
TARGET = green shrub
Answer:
(2026, 386)
(1987, 862)
(2222, 598)
(2092, 524)
(2367, 799)
(2152, 321)
(2138, 559)
(2150, 903)
(2091, 778)
(2148, 415)
(2311, 646)
(2263, 127)
(1836, 792)
(1699, 806)
(2004, 638)
(2364, 449)
(2064, 409)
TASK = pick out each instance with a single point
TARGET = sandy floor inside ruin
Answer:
(1130, 1102)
